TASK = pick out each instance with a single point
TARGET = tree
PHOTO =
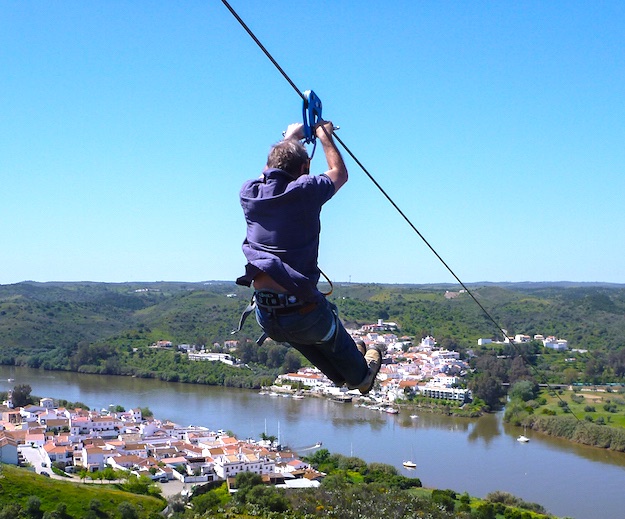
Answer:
(205, 502)
(524, 390)
(11, 511)
(127, 511)
(518, 370)
(145, 412)
(21, 395)
(244, 482)
(61, 511)
(485, 511)
(246, 351)
(292, 361)
(93, 476)
(109, 474)
(33, 507)
(487, 388)
(444, 498)
(268, 498)
(275, 355)
(493, 366)
(570, 375)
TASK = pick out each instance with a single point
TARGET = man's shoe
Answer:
(373, 356)
(361, 347)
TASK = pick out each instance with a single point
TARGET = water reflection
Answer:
(486, 428)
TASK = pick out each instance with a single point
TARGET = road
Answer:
(34, 456)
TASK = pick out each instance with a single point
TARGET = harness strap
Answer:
(246, 313)
(328, 280)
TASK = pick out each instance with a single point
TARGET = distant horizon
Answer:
(228, 281)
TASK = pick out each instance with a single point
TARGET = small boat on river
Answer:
(522, 438)
(409, 464)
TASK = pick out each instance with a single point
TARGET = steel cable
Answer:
(392, 202)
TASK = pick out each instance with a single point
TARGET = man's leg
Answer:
(321, 337)
(319, 360)
(342, 353)
(304, 332)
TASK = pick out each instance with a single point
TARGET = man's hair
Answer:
(288, 155)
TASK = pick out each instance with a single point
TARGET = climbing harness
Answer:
(278, 304)
(277, 301)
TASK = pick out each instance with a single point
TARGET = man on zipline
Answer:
(282, 209)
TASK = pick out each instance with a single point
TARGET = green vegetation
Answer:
(595, 418)
(108, 328)
(351, 489)
(24, 494)
(472, 409)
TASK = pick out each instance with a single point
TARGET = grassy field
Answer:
(17, 485)
(596, 406)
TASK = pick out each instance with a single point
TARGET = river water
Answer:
(474, 455)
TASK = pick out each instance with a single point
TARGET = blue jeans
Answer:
(320, 336)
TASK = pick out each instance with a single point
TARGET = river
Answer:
(473, 455)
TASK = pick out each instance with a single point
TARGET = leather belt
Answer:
(281, 304)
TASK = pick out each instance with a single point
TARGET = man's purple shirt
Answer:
(283, 229)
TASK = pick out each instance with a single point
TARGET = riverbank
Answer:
(576, 431)
(447, 409)
(445, 448)
(588, 417)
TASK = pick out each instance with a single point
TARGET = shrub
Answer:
(445, 499)
(127, 511)
(205, 502)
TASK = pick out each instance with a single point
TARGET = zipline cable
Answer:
(262, 47)
(392, 202)
(413, 227)
(364, 169)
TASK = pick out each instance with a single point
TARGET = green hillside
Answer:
(108, 328)
(26, 494)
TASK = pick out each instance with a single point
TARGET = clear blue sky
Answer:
(128, 127)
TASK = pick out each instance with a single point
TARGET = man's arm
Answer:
(337, 171)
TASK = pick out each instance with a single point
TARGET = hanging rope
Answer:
(397, 208)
